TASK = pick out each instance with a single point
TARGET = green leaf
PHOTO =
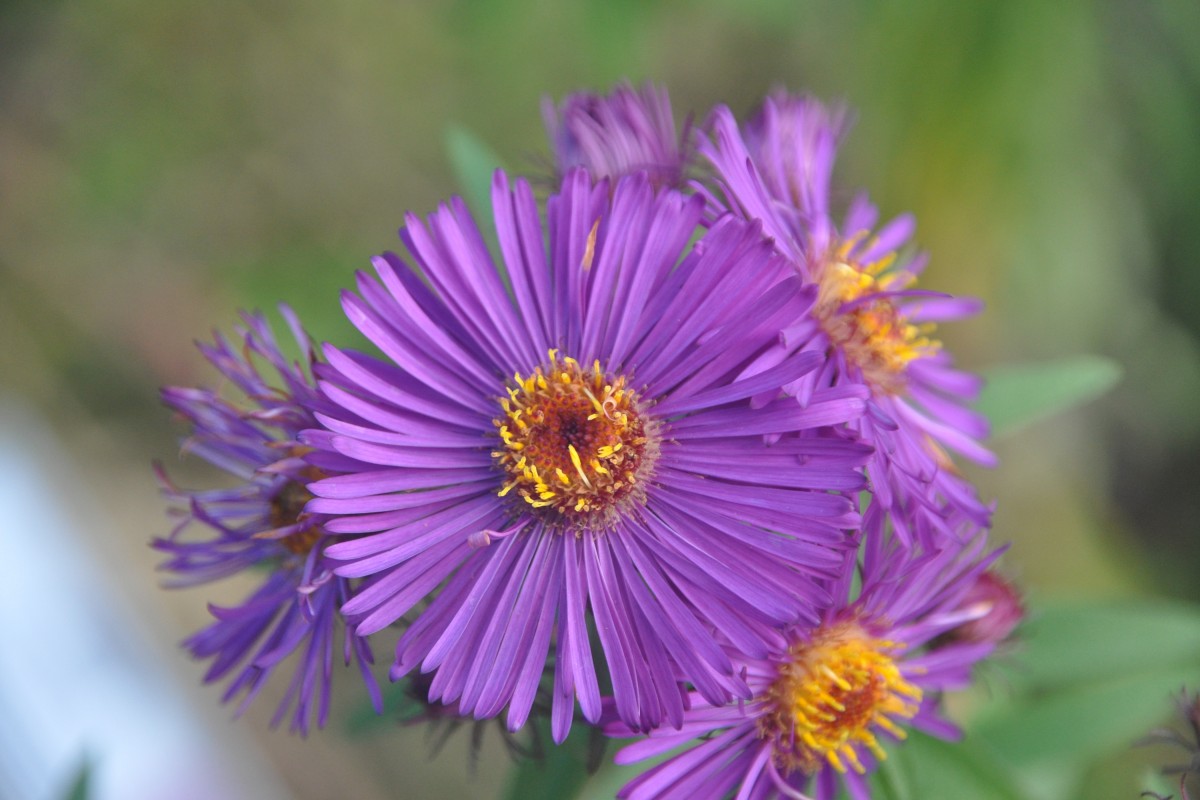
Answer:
(1021, 394)
(1160, 784)
(933, 769)
(892, 780)
(399, 704)
(563, 770)
(1082, 723)
(473, 163)
(80, 788)
(1093, 678)
(1070, 645)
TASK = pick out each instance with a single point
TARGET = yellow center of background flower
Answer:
(874, 335)
(287, 506)
(836, 687)
(576, 443)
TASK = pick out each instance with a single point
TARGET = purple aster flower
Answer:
(618, 134)
(587, 441)
(874, 326)
(823, 703)
(260, 524)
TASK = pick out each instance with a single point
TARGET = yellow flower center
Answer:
(871, 331)
(576, 444)
(835, 688)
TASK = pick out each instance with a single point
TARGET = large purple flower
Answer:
(874, 326)
(259, 525)
(620, 133)
(823, 703)
(573, 438)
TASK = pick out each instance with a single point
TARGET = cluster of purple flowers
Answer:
(675, 461)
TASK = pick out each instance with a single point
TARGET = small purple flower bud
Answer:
(1000, 607)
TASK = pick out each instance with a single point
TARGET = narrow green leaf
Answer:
(473, 163)
(1091, 680)
(1021, 394)
(1068, 646)
(1084, 722)
(80, 788)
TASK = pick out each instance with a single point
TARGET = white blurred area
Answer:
(91, 670)
(82, 676)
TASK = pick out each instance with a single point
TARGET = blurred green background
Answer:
(164, 164)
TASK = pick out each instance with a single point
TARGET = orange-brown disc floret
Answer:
(834, 689)
(872, 332)
(576, 444)
(287, 507)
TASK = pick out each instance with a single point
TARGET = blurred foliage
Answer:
(1018, 395)
(563, 770)
(80, 787)
(474, 164)
(924, 768)
(1090, 680)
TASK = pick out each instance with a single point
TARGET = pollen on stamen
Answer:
(578, 447)
(835, 688)
(859, 317)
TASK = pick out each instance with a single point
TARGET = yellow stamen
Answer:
(872, 332)
(835, 688)
(576, 441)
(578, 462)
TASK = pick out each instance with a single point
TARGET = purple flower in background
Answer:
(875, 327)
(585, 430)
(619, 134)
(824, 702)
(260, 525)
(999, 606)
